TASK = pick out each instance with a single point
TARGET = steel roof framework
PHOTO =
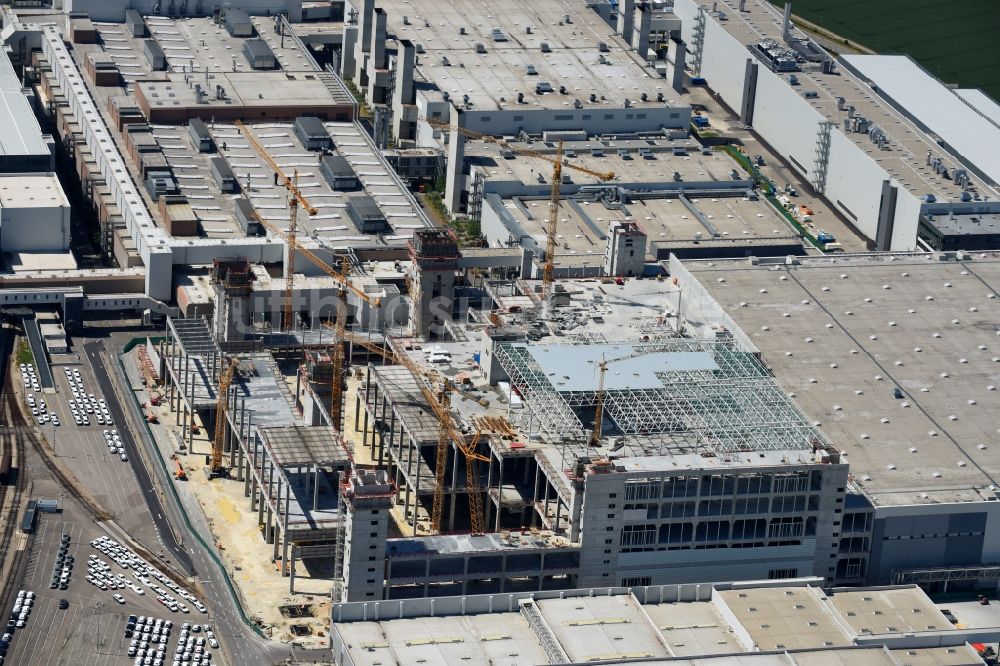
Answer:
(738, 407)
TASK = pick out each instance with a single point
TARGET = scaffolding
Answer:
(720, 399)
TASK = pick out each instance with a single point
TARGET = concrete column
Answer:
(376, 49)
(499, 492)
(362, 44)
(626, 12)
(357, 410)
(680, 63)
(348, 63)
(416, 491)
(291, 574)
(640, 34)
(455, 178)
(392, 433)
(284, 535)
(488, 504)
(534, 496)
(454, 490)
(409, 470)
(402, 93)
(315, 482)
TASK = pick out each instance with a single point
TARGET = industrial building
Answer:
(874, 164)
(34, 214)
(795, 622)
(686, 200)
(897, 359)
(23, 147)
(563, 69)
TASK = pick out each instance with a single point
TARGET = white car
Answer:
(119, 598)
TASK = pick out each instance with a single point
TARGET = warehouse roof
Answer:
(787, 623)
(31, 190)
(20, 133)
(971, 135)
(512, 33)
(841, 333)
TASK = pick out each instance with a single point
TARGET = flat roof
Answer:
(30, 262)
(786, 623)
(888, 611)
(20, 133)
(41, 190)
(970, 224)
(502, 71)
(906, 159)
(784, 618)
(840, 333)
(298, 446)
(971, 135)
(605, 627)
(668, 223)
(477, 640)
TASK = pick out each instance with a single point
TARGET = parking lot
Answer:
(91, 627)
(79, 442)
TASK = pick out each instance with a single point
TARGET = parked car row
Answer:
(83, 405)
(40, 410)
(29, 377)
(149, 576)
(115, 446)
(62, 568)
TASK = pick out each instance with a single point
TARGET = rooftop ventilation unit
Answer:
(531, 71)
(480, 48)
(520, 98)
(659, 97)
(461, 30)
(445, 62)
(603, 47)
(593, 98)
(406, 20)
(545, 47)
(498, 35)
(543, 87)
(577, 104)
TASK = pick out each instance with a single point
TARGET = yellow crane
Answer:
(440, 404)
(295, 199)
(342, 277)
(216, 469)
(557, 162)
(595, 435)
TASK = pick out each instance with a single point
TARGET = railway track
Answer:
(13, 441)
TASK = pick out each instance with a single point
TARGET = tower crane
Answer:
(595, 434)
(346, 285)
(215, 469)
(295, 199)
(440, 403)
(557, 162)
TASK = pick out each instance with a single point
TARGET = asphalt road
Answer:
(180, 555)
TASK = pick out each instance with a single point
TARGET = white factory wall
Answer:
(854, 184)
(904, 230)
(114, 10)
(35, 229)
(786, 121)
(723, 64)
